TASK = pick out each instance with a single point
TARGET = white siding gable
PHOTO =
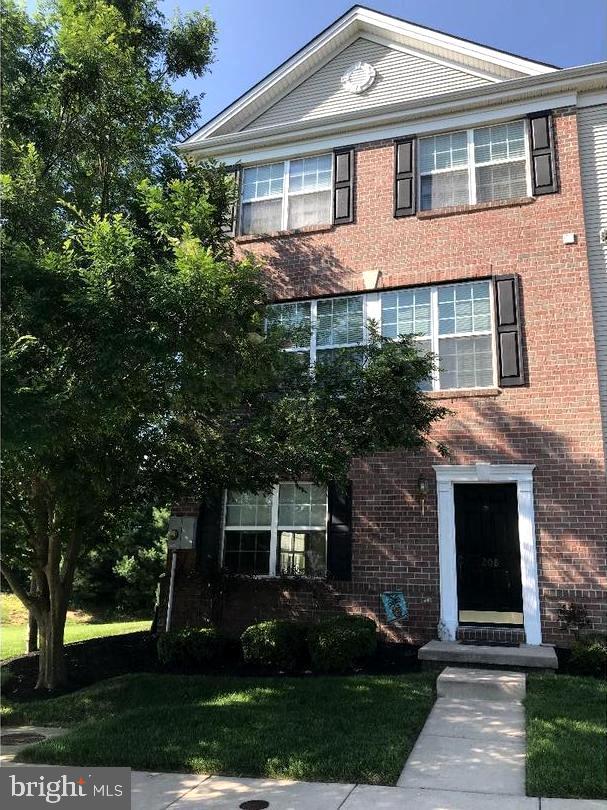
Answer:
(592, 123)
(400, 76)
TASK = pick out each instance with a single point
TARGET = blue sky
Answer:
(257, 35)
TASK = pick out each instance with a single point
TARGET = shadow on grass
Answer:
(358, 729)
(566, 737)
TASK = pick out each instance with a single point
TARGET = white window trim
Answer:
(522, 476)
(472, 165)
(284, 196)
(274, 529)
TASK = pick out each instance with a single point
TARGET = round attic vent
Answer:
(358, 78)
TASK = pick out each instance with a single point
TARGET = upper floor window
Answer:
(454, 321)
(286, 195)
(474, 165)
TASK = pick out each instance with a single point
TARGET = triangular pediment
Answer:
(394, 75)
(390, 61)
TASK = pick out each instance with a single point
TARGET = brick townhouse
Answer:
(457, 192)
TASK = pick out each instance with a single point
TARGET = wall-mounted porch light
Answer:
(423, 487)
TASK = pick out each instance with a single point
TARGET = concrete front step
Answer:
(480, 684)
(523, 657)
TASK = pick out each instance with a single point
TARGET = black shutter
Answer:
(339, 540)
(208, 532)
(508, 323)
(543, 163)
(343, 186)
(231, 226)
(404, 178)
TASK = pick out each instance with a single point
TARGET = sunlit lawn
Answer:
(566, 737)
(346, 729)
(79, 626)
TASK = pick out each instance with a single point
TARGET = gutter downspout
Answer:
(171, 590)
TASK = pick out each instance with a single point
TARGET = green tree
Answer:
(137, 367)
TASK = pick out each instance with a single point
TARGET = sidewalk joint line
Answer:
(347, 797)
(185, 793)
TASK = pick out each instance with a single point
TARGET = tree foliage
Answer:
(137, 366)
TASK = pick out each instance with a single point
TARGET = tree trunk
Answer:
(32, 630)
(32, 633)
(52, 673)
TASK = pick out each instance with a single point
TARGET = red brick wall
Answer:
(552, 422)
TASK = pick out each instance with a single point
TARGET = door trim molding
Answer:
(522, 475)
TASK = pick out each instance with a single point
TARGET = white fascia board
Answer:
(592, 99)
(409, 125)
(280, 74)
(527, 90)
(444, 41)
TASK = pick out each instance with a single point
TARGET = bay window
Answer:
(453, 321)
(286, 195)
(474, 165)
(283, 533)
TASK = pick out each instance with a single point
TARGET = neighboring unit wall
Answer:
(400, 77)
(592, 122)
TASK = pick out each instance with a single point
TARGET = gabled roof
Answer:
(466, 55)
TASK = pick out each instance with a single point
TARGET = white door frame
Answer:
(481, 473)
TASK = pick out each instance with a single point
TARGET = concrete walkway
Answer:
(474, 738)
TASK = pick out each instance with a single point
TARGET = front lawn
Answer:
(344, 729)
(566, 737)
(78, 627)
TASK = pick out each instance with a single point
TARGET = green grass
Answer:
(566, 737)
(78, 627)
(345, 729)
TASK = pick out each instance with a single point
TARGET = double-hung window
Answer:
(474, 165)
(286, 195)
(453, 321)
(340, 327)
(283, 533)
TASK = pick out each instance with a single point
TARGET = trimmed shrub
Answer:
(589, 657)
(276, 643)
(191, 648)
(337, 644)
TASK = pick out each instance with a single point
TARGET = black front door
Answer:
(488, 554)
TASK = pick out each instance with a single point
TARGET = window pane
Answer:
(406, 312)
(248, 509)
(443, 151)
(294, 318)
(303, 553)
(340, 321)
(502, 142)
(328, 357)
(464, 308)
(262, 181)
(309, 209)
(444, 189)
(501, 181)
(301, 505)
(466, 362)
(310, 174)
(261, 217)
(247, 552)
